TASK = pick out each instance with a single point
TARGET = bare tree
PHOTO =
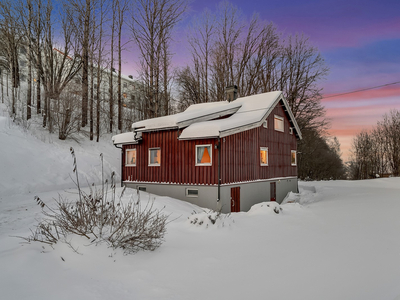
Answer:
(227, 50)
(152, 25)
(59, 64)
(390, 133)
(11, 32)
(301, 68)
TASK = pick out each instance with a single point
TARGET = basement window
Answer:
(203, 155)
(278, 123)
(154, 156)
(130, 158)
(192, 193)
(141, 188)
(264, 156)
(294, 158)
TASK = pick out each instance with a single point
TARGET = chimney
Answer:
(231, 93)
(130, 76)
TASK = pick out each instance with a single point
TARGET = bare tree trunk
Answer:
(85, 64)
(121, 11)
(7, 83)
(99, 74)
(111, 91)
(29, 92)
(2, 86)
(45, 112)
(92, 77)
(38, 57)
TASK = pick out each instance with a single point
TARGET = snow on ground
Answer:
(31, 160)
(334, 240)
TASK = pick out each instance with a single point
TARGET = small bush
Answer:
(98, 216)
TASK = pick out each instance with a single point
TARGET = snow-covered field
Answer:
(339, 240)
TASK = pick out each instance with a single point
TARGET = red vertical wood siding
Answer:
(241, 152)
(177, 160)
(240, 156)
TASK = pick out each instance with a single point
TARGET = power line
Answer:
(361, 90)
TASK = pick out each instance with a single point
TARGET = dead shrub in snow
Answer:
(98, 216)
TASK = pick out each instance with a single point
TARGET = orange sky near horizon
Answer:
(350, 114)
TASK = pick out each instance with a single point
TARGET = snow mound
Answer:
(265, 208)
(291, 198)
(210, 218)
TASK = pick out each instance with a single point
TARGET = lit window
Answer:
(294, 158)
(130, 158)
(124, 95)
(278, 124)
(192, 192)
(154, 156)
(263, 156)
(203, 155)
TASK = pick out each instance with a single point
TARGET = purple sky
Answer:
(360, 41)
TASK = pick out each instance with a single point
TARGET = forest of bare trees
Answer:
(377, 153)
(72, 78)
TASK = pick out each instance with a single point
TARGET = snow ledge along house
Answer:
(221, 155)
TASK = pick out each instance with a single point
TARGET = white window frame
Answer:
(126, 157)
(263, 149)
(265, 124)
(283, 123)
(295, 157)
(191, 196)
(290, 130)
(209, 152)
(157, 164)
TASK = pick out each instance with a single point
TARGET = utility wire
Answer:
(361, 90)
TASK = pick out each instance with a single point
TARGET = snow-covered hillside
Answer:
(338, 240)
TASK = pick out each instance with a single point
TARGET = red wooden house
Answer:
(220, 155)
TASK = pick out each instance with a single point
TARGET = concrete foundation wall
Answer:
(250, 193)
(207, 195)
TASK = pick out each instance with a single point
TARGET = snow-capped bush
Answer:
(265, 208)
(210, 218)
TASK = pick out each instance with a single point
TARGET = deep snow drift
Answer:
(334, 240)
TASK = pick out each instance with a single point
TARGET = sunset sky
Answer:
(360, 42)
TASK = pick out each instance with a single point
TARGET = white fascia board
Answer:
(292, 118)
(208, 117)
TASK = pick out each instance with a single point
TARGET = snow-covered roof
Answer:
(204, 120)
(124, 138)
(194, 113)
